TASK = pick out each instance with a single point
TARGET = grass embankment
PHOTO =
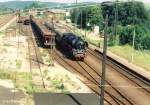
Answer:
(140, 58)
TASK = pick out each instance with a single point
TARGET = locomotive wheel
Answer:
(73, 58)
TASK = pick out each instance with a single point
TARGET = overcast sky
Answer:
(71, 1)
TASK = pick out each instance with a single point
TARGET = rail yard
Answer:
(41, 55)
(92, 74)
(122, 84)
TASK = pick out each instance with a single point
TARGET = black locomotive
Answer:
(26, 22)
(73, 45)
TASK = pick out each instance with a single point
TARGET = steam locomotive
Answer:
(74, 45)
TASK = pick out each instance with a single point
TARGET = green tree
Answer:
(35, 5)
(130, 14)
(91, 15)
(95, 16)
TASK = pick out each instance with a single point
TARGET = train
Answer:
(45, 36)
(74, 45)
(26, 22)
(20, 19)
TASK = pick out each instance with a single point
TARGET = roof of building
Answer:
(66, 99)
(57, 11)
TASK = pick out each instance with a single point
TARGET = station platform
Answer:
(66, 99)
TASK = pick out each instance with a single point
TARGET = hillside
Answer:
(23, 4)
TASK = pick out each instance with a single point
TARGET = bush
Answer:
(146, 42)
(129, 13)
(142, 36)
(126, 35)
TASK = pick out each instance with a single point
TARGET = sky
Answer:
(71, 1)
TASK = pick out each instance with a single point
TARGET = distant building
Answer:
(67, 14)
(67, 17)
(40, 12)
(96, 30)
(33, 12)
(56, 14)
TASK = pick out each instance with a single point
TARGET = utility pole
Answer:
(133, 44)
(116, 19)
(104, 63)
(85, 21)
(81, 22)
(76, 13)
(75, 19)
(133, 41)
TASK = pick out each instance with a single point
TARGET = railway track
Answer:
(63, 27)
(136, 84)
(118, 94)
(120, 90)
(141, 81)
(34, 60)
(5, 19)
(112, 90)
(91, 79)
(63, 63)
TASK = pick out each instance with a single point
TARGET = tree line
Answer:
(35, 5)
(125, 19)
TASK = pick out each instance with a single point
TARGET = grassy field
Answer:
(22, 80)
(140, 58)
(2, 33)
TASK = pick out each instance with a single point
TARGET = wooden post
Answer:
(104, 63)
